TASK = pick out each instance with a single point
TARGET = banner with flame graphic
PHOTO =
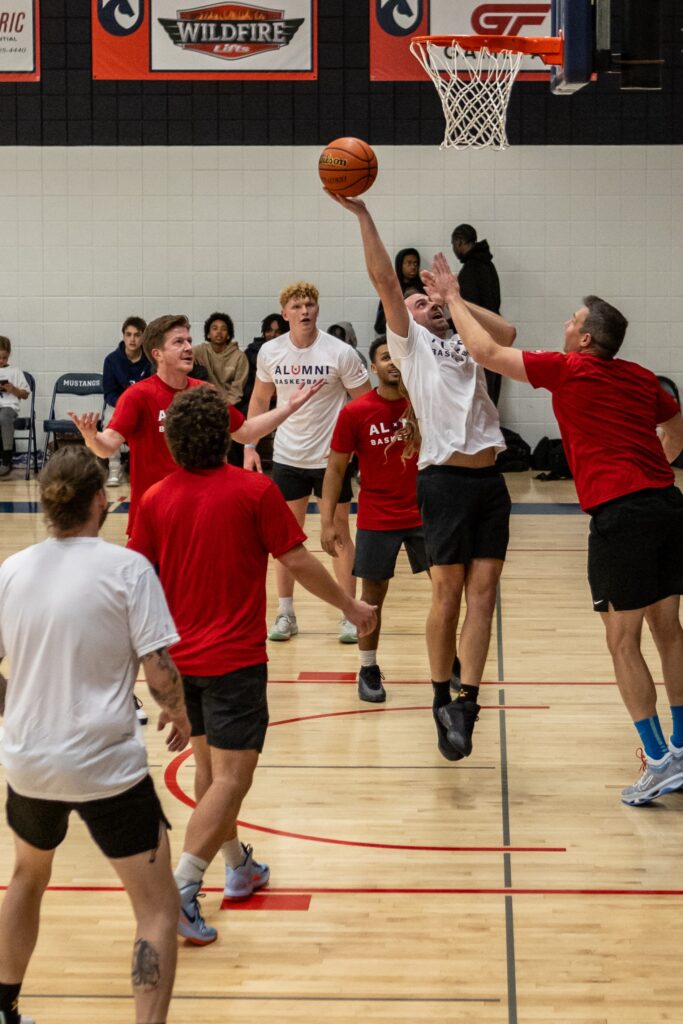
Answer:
(166, 39)
(19, 41)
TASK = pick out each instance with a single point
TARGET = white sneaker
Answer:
(113, 480)
(284, 627)
(140, 713)
(655, 781)
(348, 634)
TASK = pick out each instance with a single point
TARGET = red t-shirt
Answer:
(607, 411)
(387, 499)
(210, 533)
(139, 417)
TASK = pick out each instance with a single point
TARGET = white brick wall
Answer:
(92, 235)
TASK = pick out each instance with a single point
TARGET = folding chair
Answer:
(70, 384)
(25, 428)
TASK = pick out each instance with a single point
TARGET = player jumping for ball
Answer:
(462, 496)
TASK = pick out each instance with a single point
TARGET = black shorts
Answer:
(377, 551)
(635, 550)
(230, 710)
(122, 826)
(296, 483)
(465, 513)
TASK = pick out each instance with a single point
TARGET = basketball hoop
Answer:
(473, 76)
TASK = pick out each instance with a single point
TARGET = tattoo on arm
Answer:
(164, 680)
(146, 970)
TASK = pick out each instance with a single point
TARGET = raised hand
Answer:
(303, 393)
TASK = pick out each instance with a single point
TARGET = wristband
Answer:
(249, 445)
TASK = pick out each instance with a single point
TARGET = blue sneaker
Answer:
(241, 881)
(191, 924)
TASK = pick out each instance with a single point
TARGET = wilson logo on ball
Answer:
(347, 167)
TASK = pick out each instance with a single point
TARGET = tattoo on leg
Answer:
(146, 972)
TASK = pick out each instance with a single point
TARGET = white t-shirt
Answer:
(448, 393)
(14, 375)
(75, 617)
(303, 440)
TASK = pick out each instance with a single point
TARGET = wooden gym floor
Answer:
(510, 887)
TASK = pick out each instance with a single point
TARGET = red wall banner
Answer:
(19, 40)
(169, 39)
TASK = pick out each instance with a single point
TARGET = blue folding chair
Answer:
(70, 384)
(25, 428)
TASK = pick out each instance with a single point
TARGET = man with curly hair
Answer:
(462, 495)
(141, 411)
(308, 356)
(209, 528)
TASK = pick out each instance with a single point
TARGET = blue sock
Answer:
(677, 716)
(650, 732)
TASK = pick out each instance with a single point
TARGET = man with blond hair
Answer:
(140, 412)
(306, 356)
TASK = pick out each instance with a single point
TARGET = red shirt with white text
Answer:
(139, 417)
(367, 426)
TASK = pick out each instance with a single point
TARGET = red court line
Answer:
(270, 901)
(416, 707)
(389, 891)
(341, 680)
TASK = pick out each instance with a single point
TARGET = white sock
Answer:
(233, 853)
(675, 750)
(286, 606)
(190, 869)
(368, 658)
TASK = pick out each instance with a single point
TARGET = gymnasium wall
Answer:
(122, 198)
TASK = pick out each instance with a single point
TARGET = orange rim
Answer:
(549, 48)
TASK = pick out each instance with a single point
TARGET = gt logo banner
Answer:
(394, 22)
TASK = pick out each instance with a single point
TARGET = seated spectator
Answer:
(13, 389)
(407, 266)
(345, 332)
(219, 354)
(125, 366)
(272, 326)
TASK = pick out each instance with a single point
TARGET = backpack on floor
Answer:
(549, 455)
(517, 456)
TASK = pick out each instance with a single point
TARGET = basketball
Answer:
(347, 167)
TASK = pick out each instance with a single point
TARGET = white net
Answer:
(474, 88)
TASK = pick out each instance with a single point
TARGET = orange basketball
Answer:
(347, 167)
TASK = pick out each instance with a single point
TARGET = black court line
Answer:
(532, 508)
(272, 999)
(505, 810)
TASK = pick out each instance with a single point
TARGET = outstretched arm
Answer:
(256, 427)
(380, 268)
(103, 443)
(478, 332)
(313, 575)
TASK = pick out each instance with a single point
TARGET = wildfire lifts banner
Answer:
(164, 39)
(19, 41)
(394, 22)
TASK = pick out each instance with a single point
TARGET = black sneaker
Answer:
(370, 684)
(445, 749)
(459, 717)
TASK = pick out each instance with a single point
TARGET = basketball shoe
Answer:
(655, 781)
(284, 627)
(241, 881)
(348, 634)
(370, 684)
(191, 924)
(140, 712)
(459, 717)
